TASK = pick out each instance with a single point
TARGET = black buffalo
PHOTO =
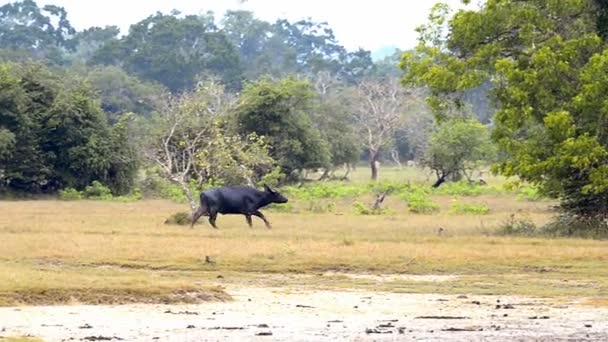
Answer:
(236, 200)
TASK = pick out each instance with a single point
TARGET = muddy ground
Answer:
(273, 314)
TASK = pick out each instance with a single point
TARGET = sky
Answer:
(369, 24)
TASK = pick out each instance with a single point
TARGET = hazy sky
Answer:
(370, 24)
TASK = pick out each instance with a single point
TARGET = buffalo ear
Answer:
(268, 188)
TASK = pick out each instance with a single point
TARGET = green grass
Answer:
(111, 252)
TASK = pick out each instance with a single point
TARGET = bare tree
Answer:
(379, 112)
(180, 134)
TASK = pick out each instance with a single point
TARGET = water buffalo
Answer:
(236, 200)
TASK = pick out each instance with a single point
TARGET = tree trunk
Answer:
(395, 156)
(184, 185)
(373, 163)
(325, 175)
(440, 180)
(379, 199)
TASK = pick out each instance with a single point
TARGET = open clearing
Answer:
(305, 315)
(303, 276)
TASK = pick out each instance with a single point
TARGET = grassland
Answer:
(109, 252)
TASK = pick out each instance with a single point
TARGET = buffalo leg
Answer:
(197, 214)
(212, 217)
(248, 218)
(260, 215)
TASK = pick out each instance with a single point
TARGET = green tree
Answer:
(57, 134)
(457, 148)
(281, 112)
(547, 61)
(189, 142)
(174, 51)
(42, 32)
(122, 93)
(332, 117)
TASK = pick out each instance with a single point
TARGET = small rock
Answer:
(588, 325)
(304, 306)
(476, 302)
(462, 297)
(387, 325)
(401, 330)
(263, 325)
(264, 333)
(85, 326)
(249, 300)
(508, 306)
(220, 276)
(355, 307)
(190, 326)
(505, 315)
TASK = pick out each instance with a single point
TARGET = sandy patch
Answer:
(307, 315)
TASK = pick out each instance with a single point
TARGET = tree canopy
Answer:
(547, 63)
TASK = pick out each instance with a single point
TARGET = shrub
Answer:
(363, 209)
(423, 206)
(529, 193)
(181, 218)
(282, 207)
(514, 226)
(321, 207)
(318, 191)
(464, 189)
(97, 191)
(70, 194)
(569, 225)
(473, 209)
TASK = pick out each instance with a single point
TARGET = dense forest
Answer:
(193, 99)
(200, 100)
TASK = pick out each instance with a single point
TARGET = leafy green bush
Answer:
(423, 206)
(363, 209)
(70, 194)
(324, 190)
(473, 209)
(464, 189)
(97, 191)
(529, 193)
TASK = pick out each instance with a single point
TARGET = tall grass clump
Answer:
(469, 209)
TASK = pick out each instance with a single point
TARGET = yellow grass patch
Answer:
(103, 252)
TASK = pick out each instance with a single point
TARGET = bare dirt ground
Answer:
(279, 314)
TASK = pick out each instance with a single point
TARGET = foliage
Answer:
(57, 135)
(120, 92)
(473, 209)
(331, 115)
(569, 225)
(464, 188)
(422, 205)
(322, 190)
(514, 226)
(280, 111)
(361, 208)
(458, 147)
(174, 51)
(548, 63)
(70, 194)
(41, 31)
(99, 192)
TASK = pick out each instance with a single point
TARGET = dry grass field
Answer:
(105, 252)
